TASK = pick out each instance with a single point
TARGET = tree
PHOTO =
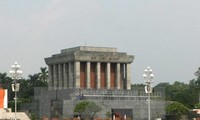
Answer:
(137, 86)
(43, 75)
(25, 89)
(140, 88)
(108, 114)
(33, 79)
(197, 106)
(197, 80)
(197, 73)
(177, 109)
(194, 88)
(4, 80)
(87, 109)
(167, 87)
(179, 92)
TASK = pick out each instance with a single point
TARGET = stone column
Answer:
(98, 79)
(128, 76)
(118, 76)
(108, 75)
(122, 76)
(60, 76)
(71, 78)
(77, 74)
(55, 77)
(50, 78)
(65, 78)
(88, 75)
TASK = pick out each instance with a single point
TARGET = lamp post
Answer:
(15, 74)
(148, 76)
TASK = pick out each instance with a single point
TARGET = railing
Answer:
(95, 94)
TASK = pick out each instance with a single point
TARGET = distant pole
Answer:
(148, 76)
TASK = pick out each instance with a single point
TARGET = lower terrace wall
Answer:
(61, 102)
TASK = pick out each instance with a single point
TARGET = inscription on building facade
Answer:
(105, 57)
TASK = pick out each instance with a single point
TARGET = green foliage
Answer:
(43, 75)
(166, 86)
(33, 117)
(177, 109)
(197, 106)
(5, 81)
(108, 114)
(11, 104)
(87, 108)
(137, 86)
(80, 107)
(179, 91)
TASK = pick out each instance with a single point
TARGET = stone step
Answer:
(11, 115)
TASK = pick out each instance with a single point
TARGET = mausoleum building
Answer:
(98, 74)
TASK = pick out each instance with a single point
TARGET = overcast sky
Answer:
(162, 34)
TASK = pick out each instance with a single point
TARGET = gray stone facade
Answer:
(62, 102)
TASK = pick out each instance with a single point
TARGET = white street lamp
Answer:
(148, 76)
(15, 74)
